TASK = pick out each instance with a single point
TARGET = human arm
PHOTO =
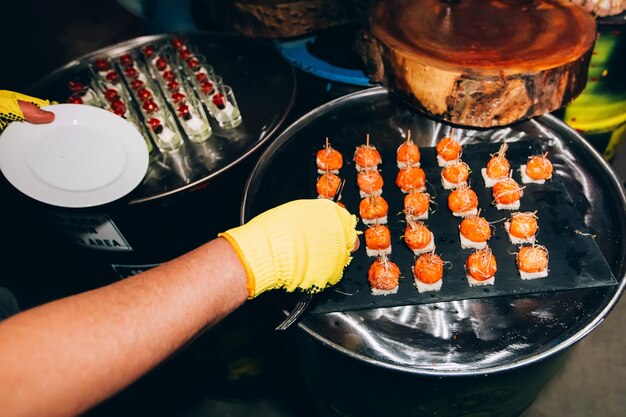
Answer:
(64, 357)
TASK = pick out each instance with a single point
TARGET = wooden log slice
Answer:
(289, 18)
(481, 63)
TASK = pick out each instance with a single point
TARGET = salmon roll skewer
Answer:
(370, 183)
(463, 202)
(507, 194)
(498, 167)
(416, 205)
(328, 159)
(532, 262)
(377, 240)
(411, 179)
(428, 272)
(454, 174)
(474, 232)
(418, 238)
(537, 170)
(327, 185)
(408, 154)
(373, 209)
(521, 228)
(383, 276)
(448, 150)
(481, 268)
(366, 156)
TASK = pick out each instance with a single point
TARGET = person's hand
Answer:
(18, 107)
(303, 244)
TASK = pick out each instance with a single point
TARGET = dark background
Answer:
(40, 36)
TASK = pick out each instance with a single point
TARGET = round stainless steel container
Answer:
(189, 195)
(487, 356)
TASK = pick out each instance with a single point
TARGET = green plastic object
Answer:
(599, 113)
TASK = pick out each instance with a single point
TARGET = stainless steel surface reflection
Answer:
(461, 337)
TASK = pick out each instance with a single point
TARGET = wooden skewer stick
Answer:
(326, 142)
(367, 139)
(408, 136)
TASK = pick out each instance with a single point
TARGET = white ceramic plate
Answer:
(86, 157)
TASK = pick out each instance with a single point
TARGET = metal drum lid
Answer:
(465, 337)
(264, 85)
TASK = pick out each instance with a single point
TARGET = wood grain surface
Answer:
(481, 63)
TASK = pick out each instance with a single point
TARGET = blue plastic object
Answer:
(296, 52)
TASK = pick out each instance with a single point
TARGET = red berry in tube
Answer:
(111, 94)
(207, 87)
(202, 76)
(184, 53)
(150, 106)
(118, 107)
(148, 51)
(112, 76)
(136, 84)
(219, 101)
(177, 97)
(74, 99)
(76, 86)
(126, 60)
(161, 63)
(155, 125)
(172, 85)
(169, 75)
(102, 64)
(183, 111)
(193, 63)
(178, 43)
(144, 94)
(131, 72)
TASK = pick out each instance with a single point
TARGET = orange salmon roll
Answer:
(408, 154)
(370, 183)
(428, 272)
(383, 276)
(522, 228)
(498, 167)
(373, 209)
(454, 174)
(411, 179)
(537, 170)
(377, 240)
(474, 232)
(328, 159)
(416, 205)
(481, 268)
(463, 202)
(448, 149)
(507, 194)
(327, 185)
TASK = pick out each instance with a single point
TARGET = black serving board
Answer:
(575, 259)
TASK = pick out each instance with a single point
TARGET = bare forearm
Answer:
(106, 338)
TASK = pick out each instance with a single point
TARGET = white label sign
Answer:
(95, 231)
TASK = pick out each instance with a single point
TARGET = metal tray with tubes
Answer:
(264, 85)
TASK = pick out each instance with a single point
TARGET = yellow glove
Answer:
(10, 110)
(302, 244)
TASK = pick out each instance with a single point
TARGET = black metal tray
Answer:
(575, 260)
